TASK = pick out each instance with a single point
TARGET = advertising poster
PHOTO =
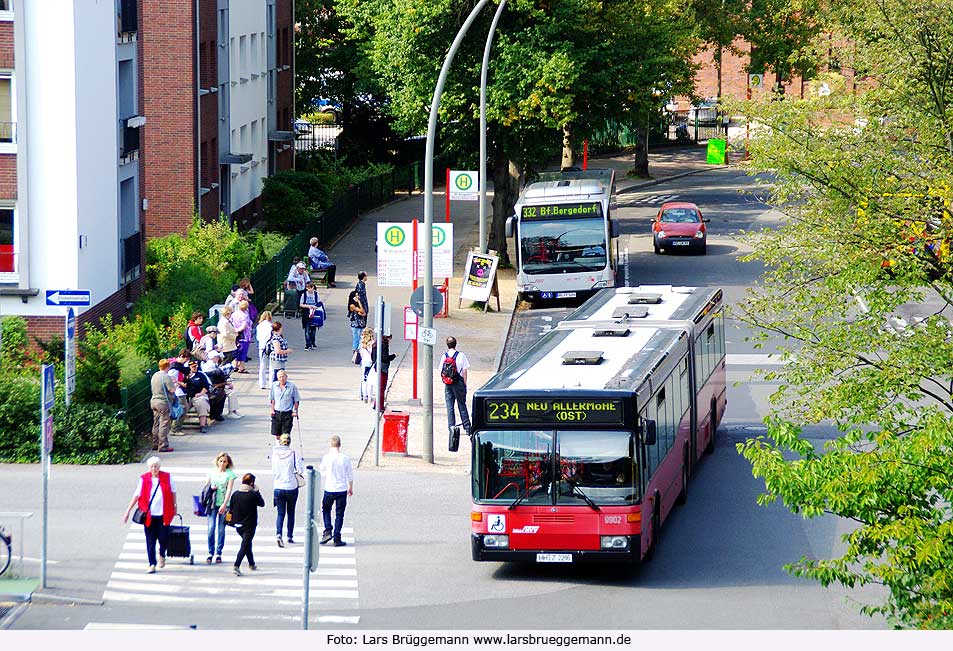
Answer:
(480, 272)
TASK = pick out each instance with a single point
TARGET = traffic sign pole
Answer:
(47, 400)
(416, 360)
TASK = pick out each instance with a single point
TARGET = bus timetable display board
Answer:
(530, 411)
(563, 211)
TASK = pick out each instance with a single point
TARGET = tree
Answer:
(868, 233)
(781, 33)
(331, 67)
(558, 68)
(719, 23)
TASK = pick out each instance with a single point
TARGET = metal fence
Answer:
(268, 280)
(670, 127)
(317, 137)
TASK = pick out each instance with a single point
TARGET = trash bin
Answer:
(717, 152)
(394, 439)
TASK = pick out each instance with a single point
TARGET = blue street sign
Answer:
(70, 324)
(77, 297)
(46, 388)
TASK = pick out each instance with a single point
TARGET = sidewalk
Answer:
(327, 379)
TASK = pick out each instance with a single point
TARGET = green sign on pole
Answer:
(717, 153)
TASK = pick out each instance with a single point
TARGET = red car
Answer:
(679, 225)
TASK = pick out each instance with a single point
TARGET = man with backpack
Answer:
(453, 373)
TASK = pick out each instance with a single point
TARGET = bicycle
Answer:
(6, 550)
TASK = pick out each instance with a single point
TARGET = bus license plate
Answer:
(545, 294)
(680, 243)
(566, 295)
(554, 558)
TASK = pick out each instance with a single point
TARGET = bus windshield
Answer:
(563, 245)
(598, 465)
(510, 463)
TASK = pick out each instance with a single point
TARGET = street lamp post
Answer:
(428, 229)
(483, 75)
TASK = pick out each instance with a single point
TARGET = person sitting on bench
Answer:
(320, 262)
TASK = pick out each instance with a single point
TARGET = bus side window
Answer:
(651, 458)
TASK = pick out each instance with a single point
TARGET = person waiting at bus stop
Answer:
(285, 399)
(453, 372)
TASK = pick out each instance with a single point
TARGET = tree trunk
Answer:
(640, 161)
(569, 158)
(506, 187)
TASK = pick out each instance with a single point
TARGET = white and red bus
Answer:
(567, 241)
(583, 445)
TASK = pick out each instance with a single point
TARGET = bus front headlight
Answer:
(601, 284)
(527, 288)
(497, 542)
(614, 542)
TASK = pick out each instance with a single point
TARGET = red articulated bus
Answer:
(584, 444)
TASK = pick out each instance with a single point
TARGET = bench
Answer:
(319, 277)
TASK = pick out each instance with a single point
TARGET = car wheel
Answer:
(703, 249)
(657, 250)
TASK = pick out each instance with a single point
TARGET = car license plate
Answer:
(566, 295)
(554, 558)
(545, 294)
(680, 243)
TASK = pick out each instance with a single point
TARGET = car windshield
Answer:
(598, 465)
(563, 245)
(680, 216)
(510, 464)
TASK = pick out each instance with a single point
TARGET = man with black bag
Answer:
(453, 373)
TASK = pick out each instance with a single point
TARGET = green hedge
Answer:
(85, 433)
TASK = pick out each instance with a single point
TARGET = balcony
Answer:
(131, 257)
(128, 19)
(129, 136)
(8, 132)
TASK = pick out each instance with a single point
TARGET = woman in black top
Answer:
(244, 507)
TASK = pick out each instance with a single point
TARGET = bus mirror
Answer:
(509, 226)
(648, 432)
(613, 229)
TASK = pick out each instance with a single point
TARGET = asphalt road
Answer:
(718, 566)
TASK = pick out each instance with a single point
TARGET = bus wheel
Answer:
(683, 495)
(656, 526)
(713, 427)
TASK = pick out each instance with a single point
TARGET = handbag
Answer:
(356, 357)
(176, 409)
(300, 479)
(199, 352)
(229, 518)
(139, 516)
(198, 508)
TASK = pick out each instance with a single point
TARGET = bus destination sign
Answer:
(563, 211)
(533, 411)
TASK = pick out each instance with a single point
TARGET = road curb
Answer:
(47, 598)
(648, 184)
(11, 617)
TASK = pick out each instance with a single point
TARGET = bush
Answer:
(97, 370)
(92, 433)
(285, 208)
(13, 351)
(19, 418)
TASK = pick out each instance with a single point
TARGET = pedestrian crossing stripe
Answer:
(651, 199)
(124, 626)
(275, 585)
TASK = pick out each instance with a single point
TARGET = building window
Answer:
(8, 259)
(8, 126)
(128, 16)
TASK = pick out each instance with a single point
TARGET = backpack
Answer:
(448, 371)
(269, 347)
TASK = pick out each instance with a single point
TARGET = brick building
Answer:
(219, 92)
(118, 119)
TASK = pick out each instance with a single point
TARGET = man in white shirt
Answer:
(455, 383)
(338, 486)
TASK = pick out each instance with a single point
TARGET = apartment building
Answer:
(229, 122)
(70, 124)
(119, 119)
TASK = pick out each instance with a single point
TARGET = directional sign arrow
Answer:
(76, 297)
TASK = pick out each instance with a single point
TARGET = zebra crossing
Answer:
(275, 587)
(647, 200)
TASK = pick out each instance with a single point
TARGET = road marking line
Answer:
(162, 598)
(109, 626)
(224, 587)
(216, 580)
(755, 359)
(233, 547)
(339, 619)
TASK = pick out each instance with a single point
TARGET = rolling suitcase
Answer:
(180, 546)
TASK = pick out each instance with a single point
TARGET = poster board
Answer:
(479, 277)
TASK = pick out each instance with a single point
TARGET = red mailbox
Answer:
(394, 439)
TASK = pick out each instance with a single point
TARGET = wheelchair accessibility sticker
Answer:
(496, 523)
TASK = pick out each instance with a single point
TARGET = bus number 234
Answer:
(504, 411)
